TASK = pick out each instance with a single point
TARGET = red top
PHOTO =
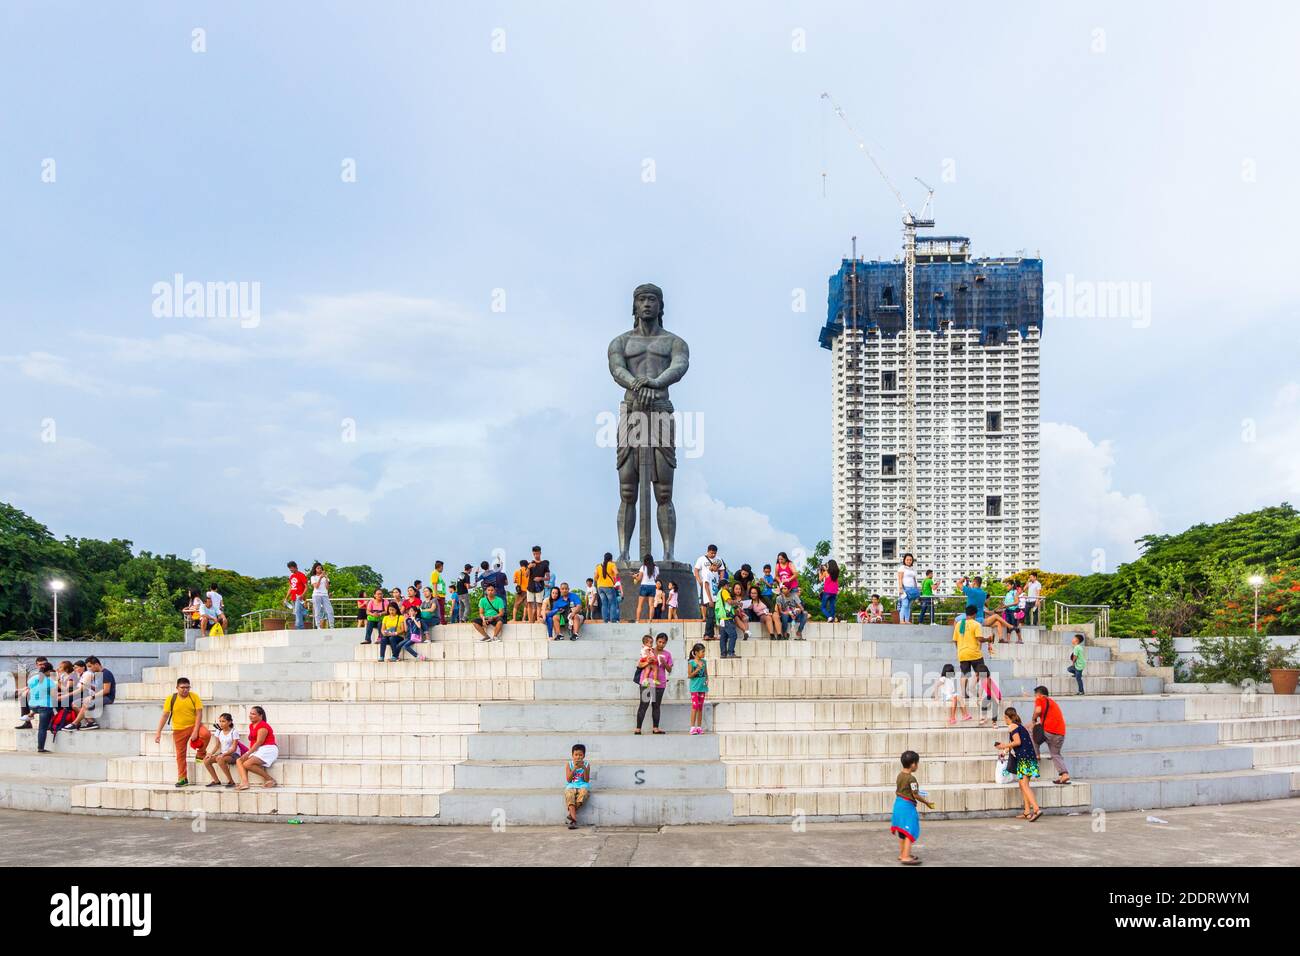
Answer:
(1049, 712)
(411, 602)
(297, 584)
(253, 730)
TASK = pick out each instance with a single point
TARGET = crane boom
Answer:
(911, 222)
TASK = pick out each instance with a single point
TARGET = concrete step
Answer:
(606, 775)
(218, 691)
(275, 654)
(944, 652)
(855, 803)
(62, 766)
(606, 807)
(493, 669)
(255, 672)
(1275, 753)
(332, 774)
(308, 803)
(1259, 729)
(582, 717)
(337, 745)
(398, 690)
(1189, 790)
(601, 747)
(102, 742)
(881, 770)
(936, 633)
(22, 792)
(1218, 706)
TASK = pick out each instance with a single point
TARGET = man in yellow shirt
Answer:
(968, 635)
(185, 711)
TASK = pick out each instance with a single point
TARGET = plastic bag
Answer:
(1003, 770)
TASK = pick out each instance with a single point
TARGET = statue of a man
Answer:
(645, 361)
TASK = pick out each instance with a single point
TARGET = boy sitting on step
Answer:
(577, 784)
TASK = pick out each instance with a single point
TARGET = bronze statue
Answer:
(645, 361)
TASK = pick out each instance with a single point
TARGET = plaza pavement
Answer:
(1251, 834)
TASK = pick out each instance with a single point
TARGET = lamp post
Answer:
(1256, 582)
(56, 586)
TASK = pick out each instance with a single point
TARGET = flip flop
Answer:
(1037, 813)
(912, 862)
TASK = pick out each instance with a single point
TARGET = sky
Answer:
(437, 213)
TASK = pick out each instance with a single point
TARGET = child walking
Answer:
(1078, 660)
(577, 784)
(945, 689)
(1022, 757)
(697, 669)
(906, 819)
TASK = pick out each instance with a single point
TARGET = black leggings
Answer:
(646, 702)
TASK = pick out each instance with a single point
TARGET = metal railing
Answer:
(1097, 614)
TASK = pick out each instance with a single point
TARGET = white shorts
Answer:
(537, 597)
(267, 753)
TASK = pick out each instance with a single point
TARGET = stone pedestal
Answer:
(688, 601)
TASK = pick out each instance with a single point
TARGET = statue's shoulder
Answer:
(619, 342)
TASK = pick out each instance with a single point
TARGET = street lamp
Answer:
(56, 586)
(1256, 582)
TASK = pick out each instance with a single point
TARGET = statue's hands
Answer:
(645, 395)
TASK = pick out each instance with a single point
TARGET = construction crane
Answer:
(911, 222)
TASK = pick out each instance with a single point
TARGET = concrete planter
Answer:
(1284, 679)
(273, 623)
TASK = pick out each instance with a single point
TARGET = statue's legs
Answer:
(627, 490)
(665, 513)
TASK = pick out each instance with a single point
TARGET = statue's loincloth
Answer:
(653, 427)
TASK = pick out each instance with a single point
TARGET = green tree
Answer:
(153, 618)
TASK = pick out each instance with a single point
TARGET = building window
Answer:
(993, 506)
(889, 548)
(958, 348)
(889, 465)
(889, 381)
(887, 295)
(993, 421)
(996, 336)
(854, 431)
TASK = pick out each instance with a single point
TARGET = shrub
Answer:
(1231, 660)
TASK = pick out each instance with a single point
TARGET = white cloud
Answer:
(49, 369)
(1082, 512)
(742, 534)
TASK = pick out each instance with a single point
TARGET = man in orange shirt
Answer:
(1047, 713)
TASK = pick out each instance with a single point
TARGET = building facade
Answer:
(978, 327)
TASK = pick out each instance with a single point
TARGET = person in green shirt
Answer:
(725, 613)
(1078, 661)
(927, 597)
(491, 614)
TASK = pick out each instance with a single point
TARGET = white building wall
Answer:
(960, 462)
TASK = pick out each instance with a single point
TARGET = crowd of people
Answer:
(735, 606)
(69, 696)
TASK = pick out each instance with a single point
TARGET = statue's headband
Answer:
(649, 287)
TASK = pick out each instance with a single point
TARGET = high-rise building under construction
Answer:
(977, 328)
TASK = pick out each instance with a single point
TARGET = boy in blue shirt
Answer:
(577, 783)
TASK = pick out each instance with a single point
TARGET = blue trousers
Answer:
(609, 609)
(729, 638)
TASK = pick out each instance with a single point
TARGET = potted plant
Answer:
(1283, 671)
